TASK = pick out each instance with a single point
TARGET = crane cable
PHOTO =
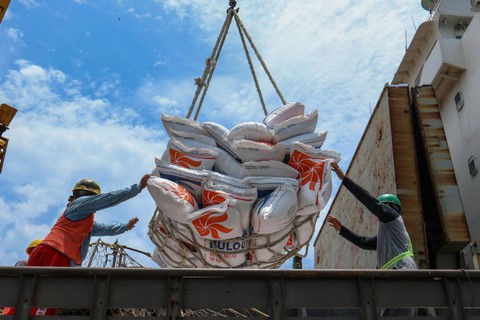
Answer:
(210, 63)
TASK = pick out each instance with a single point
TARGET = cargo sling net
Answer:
(219, 203)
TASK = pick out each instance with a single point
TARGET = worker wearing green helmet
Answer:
(392, 242)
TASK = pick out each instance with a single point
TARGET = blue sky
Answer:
(90, 80)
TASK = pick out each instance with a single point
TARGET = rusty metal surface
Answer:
(406, 173)
(444, 182)
(277, 293)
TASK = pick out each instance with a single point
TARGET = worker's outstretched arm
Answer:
(367, 243)
(103, 229)
(80, 208)
(383, 212)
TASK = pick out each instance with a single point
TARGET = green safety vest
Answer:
(394, 260)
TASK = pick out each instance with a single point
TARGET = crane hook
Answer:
(232, 4)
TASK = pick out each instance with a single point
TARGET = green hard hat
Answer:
(390, 198)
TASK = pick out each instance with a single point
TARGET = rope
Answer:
(239, 21)
(252, 70)
(211, 63)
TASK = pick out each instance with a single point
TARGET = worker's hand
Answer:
(333, 222)
(131, 223)
(337, 170)
(143, 181)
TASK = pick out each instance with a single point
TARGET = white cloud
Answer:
(14, 35)
(30, 4)
(57, 140)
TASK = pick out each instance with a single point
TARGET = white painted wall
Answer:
(462, 127)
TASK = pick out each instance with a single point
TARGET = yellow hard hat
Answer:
(87, 185)
(32, 245)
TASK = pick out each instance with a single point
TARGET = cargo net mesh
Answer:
(177, 246)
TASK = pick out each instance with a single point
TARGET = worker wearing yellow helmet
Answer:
(32, 245)
(392, 242)
(67, 243)
(28, 250)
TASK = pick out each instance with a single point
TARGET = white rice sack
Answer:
(275, 211)
(190, 139)
(168, 253)
(315, 139)
(266, 185)
(305, 229)
(270, 168)
(228, 165)
(315, 178)
(311, 199)
(263, 248)
(253, 131)
(283, 113)
(258, 151)
(215, 192)
(172, 199)
(216, 222)
(172, 252)
(181, 124)
(219, 133)
(183, 233)
(191, 158)
(223, 179)
(192, 180)
(295, 126)
(303, 156)
(223, 254)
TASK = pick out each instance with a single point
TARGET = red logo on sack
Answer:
(313, 176)
(210, 224)
(211, 198)
(181, 159)
(310, 171)
(180, 192)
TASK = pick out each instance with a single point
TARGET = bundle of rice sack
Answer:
(248, 197)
